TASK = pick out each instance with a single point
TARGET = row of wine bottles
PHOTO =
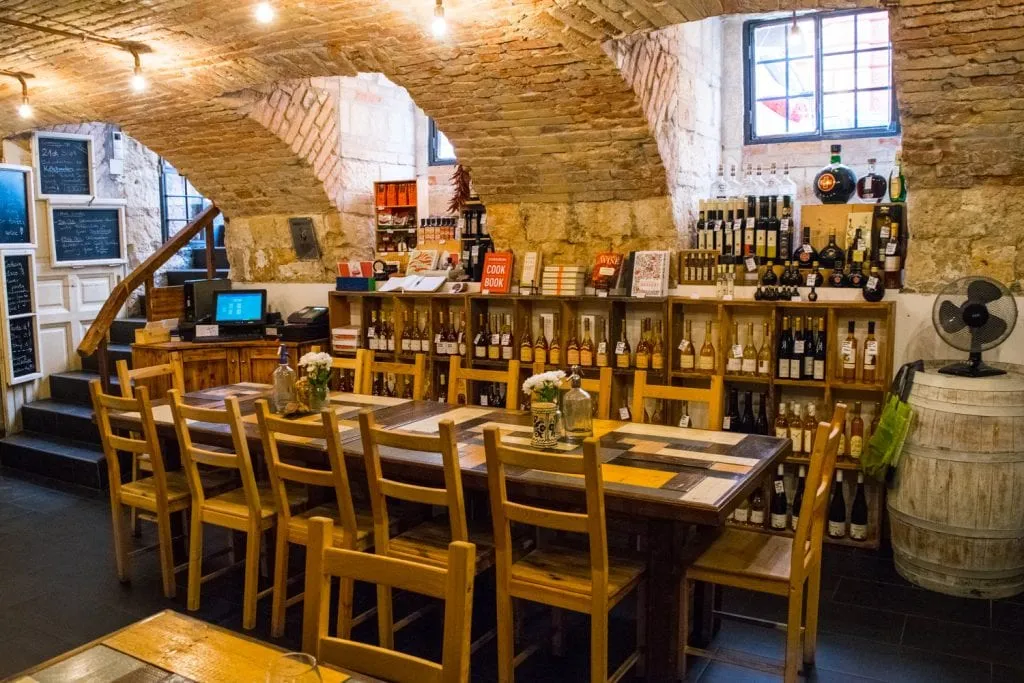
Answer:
(782, 515)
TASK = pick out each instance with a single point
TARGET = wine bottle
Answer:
(870, 360)
(748, 365)
(848, 353)
(555, 346)
(891, 263)
(761, 231)
(642, 357)
(572, 347)
(796, 360)
(371, 332)
(742, 513)
(786, 226)
(706, 361)
(796, 429)
(494, 341)
(856, 433)
(856, 277)
(480, 341)
(784, 350)
(764, 355)
(835, 183)
(540, 347)
(747, 418)
(526, 344)
(587, 347)
(859, 513)
(772, 250)
(837, 509)
(778, 502)
(761, 423)
(810, 343)
(440, 340)
(462, 335)
(871, 188)
(622, 350)
(820, 353)
(734, 358)
(832, 256)
(798, 497)
(687, 354)
(507, 345)
(757, 508)
(781, 424)
(838, 278)
(809, 428)
(601, 354)
(442, 388)
(730, 421)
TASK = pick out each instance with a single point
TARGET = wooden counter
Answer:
(207, 365)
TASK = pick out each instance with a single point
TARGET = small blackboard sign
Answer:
(22, 347)
(86, 235)
(15, 206)
(65, 165)
(18, 283)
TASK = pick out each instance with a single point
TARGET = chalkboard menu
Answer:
(22, 347)
(18, 284)
(14, 207)
(65, 165)
(86, 235)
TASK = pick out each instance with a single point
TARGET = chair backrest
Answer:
(417, 371)
(193, 455)
(810, 527)
(454, 585)
(382, 488)
(712, 396)
(504, 512)
(172, 370)
(147, 443)
(601, 387)
(276, 432)
(358, 367)
(510, 378)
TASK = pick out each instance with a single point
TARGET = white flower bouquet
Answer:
(316, 368)
(544, 387)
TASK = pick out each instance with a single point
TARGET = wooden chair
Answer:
(453, 584)
(565, 578)
(509, 377)
(353, 529)
(426, 543)
(357, 365)
(712, 396)
(160, 494)
(416, 370)
(767, 563)
(250, 509)
(602, 387)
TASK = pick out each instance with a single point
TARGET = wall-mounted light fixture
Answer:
(439, 26)
(25, 108)
(139, 83)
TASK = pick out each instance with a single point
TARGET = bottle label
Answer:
(733, 364)
(462, 347)
(858, 532)
(742, 515)
(526, 354)
(437, 342)
(883, 232)
(819, 369)
(870, 354)
(751, 264)
(856, 446)
(572, 356)
(657, 361)
(812, 279)
(773, 244)
(414, 345)
(890, 249)
(643, 360)
(849, 360)
(726, 423)
(737, 351)
(808, 446)
(506, 340)
(372, 343)
(495, 340)
(684, 421)
(892, 264)
(764, 367)
(554, 356)
(624, 414)
(480, 351)
(540, 356)
(795, 368)
(826, 182)
(783, 368)
(872, 282)
(796, 435)
(391, 343)
(778, 521)
(757, 517)
(586, 358)
(620, 347)
(483, 399)
(781, 433)
(707, 363)
(779, 486)
(794, 519)
(506, 353)
(749, 366)
(809, 366)
(686, 361)
(836, 529)
(798, 347)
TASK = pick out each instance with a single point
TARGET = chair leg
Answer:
(163, 530)
(599, 646)
(684, 626)
(195, 558)
(120, 541)
(346, 591)
(253, 539)
(811, 618)
(641, 629)
(506, 636)
(793, 623)
(385, 618)
(133, 514)
(280, 594)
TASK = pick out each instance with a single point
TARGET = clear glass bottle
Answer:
(577, 410)
(283, 382)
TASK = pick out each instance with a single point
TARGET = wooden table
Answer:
(681, 483)
(169, 646)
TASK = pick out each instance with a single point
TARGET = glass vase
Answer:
(317, 397)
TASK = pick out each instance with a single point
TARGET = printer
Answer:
(312, 322)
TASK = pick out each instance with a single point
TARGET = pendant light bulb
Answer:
(139, 83)
(439, 27)
(264, 12)
(794, 29)
(25, 109)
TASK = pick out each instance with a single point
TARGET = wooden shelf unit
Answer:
(397, 199)
(348, 307)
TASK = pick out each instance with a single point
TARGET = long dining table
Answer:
(678, 484)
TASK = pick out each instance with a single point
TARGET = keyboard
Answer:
(257, 336)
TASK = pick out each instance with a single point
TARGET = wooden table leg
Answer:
(666, 540)
(705, 626)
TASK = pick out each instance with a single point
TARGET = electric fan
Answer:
(974, 314)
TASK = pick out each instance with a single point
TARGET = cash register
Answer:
(312, 322)
(238, 315)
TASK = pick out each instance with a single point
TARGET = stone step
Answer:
(73, 387)
(55, 457)
(117, 352)
(69, 420)
(122, 330)
(178, 277)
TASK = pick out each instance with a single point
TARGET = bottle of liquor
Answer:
(624, 412)
(779, 505)
(769, 279)
(832, 255)
(857, 278)
(796, 359)
(838, 278)
(786, 229)
(874, 286)
(494, 340)
(485, 395)
(658, 417)
(507, 344)
(869, 364)
(757, 508)
(555, 346)
(820, 353)
(526, 344)
(891, 262)
(772, 250)
(750, 228)
(856, 433)
(814, 278)
(748, 365)
(848, 354)
(747, 416)
(859, 513)
(540, 347)
(810, 343)
(837, 509)
(742, 513)
(416, 338)
(876, 415)
(785, 350)
(805, 254)
(809, 428)
(835, 183)
(761, 423)
(796, 428)
(764, 355)
(587, 347)
(442, 388)
(642, 357)
(371, 332)
(687, 354)
(734, 361)
(781, 424)
(622, 350)
(798, 497)
(572, 347)
(440, 343)
(453, 337)
(462, 335)
(706, 360)
(601, 355)
(481, 339)
(897, 183)
(731, 419)
(657, 349)
(871, 188)
(761, 231)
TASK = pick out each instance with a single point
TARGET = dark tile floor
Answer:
(58, 590)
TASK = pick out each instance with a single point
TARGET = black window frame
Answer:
(165, 229)
(432, 149)
(749, 99)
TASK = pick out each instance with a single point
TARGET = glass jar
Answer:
(577, 410)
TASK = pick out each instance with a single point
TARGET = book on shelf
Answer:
(413, 283)
(355, 268)
(607, 267)
(421, 260)
(531, 270)
(650, 273)
(497, 275)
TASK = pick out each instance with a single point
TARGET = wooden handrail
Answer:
(100, 327)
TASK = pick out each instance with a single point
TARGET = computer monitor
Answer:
(240, 307)
(199, 298)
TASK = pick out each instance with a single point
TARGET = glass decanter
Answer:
(284, 384)
(577, 410)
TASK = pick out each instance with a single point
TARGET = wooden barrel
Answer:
(957, 509)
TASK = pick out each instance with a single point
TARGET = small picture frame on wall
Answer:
(304, 239)
(17, 207)
(64, 167)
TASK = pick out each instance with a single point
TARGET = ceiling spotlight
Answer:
(794, 29)
(24, 109)
(139, 83)
(264, 12)
(439, 27)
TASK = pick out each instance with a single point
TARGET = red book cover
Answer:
(607, 267)
(497, 275)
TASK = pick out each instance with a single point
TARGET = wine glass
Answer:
(293, 667)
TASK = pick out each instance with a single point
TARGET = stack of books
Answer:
(563, 280)
(345, 338)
